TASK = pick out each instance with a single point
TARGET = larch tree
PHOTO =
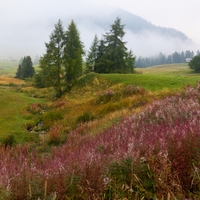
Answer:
(51, 63)
(73, 54)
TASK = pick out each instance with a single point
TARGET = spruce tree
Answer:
(102, 62)
(25, 69)
(19, 72)
(112, 56)
(92, 55)
(73, 54)
(130, 63)
(116, 47)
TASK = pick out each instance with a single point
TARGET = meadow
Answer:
(8, 68)
(112, 137)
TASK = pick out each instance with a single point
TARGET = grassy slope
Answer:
(11, 117)
(12, 104)
(159, 81)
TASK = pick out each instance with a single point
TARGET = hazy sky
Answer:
(22, 22)
(179, 14)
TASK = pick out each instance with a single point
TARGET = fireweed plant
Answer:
(154, 154)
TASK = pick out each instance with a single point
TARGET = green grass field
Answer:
(8, 68)
(157, 78)
(12, 119)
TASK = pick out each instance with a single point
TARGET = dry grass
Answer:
(5, 80)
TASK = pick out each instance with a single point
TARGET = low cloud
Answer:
(147, 44)
(27, 25)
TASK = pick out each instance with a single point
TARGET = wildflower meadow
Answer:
(153, 154)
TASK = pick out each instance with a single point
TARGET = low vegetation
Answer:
(152, 154)
(111, 137)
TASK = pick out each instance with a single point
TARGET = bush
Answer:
(8, 141)
(86, 117)
(106, 96)
(56, 136)
(129, 90)
(36, 108)
(29, 125)
(50, 117)
(195, 63)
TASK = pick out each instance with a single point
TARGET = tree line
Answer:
(160, 59)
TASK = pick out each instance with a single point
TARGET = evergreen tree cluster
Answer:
(110, 55)
(25, 68)
(62, 63)
(163, 59)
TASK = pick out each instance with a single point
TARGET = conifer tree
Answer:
(73, 54)
(130, 63)
(112, 56)
(25, 69)
(116, 47)
(51, 63)
(102, 62)
(19, 72)
(92, 55)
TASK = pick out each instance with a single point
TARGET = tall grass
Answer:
(149, 155)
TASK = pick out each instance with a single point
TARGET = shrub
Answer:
(129, 90)
(29, 125)
(56, 136)
(8, 141)
(85, 117)
(50, 117)
(104, 97)
(36, 108)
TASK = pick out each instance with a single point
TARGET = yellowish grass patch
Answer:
(5, 80)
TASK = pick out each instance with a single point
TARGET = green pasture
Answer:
(158, 78)
(12, 106)
(8, 68)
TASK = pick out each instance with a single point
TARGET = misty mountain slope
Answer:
(27, 36)
(135, 24)
(142, 36)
